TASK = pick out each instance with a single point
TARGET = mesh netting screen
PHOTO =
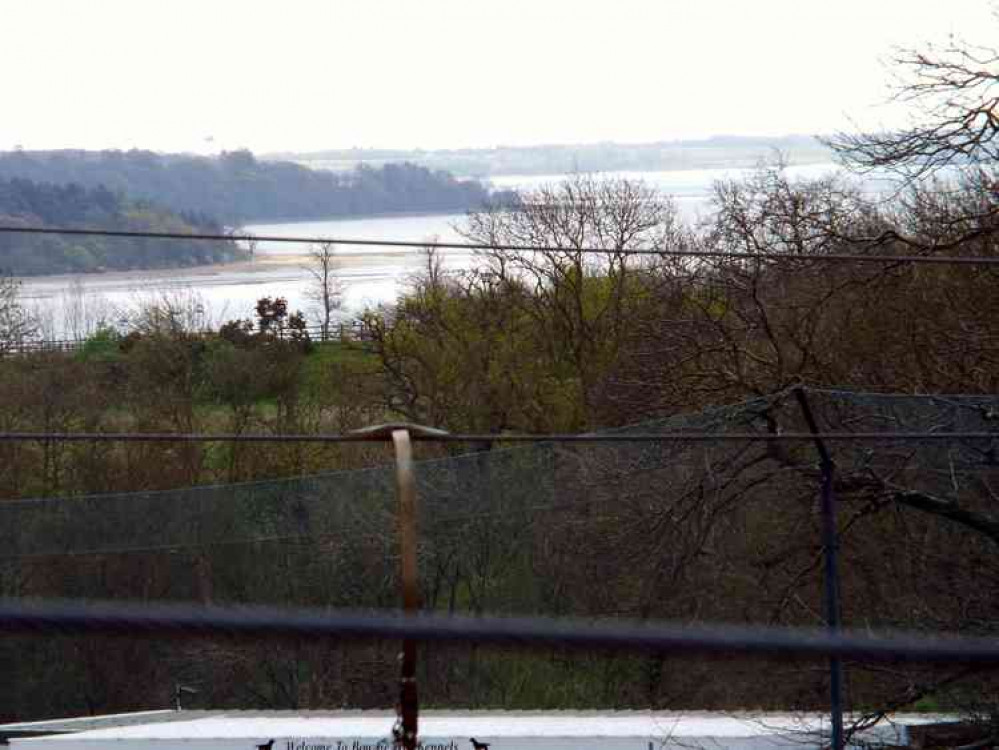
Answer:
(709, 531)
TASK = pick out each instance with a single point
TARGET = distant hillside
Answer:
(31, 204)
(720, 151)
(235, 187)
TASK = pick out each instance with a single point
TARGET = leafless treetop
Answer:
(954, 100)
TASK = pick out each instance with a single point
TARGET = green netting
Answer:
(642, 529)
(712, 531)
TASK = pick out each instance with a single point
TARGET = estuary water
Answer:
(72, 305)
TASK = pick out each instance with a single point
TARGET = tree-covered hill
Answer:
(235, 187)
(39, 204)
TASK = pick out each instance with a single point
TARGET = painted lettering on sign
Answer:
(314, 744)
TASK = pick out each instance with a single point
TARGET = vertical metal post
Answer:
(406, 486)
(405, 732)
(178, 695)
(830, 547)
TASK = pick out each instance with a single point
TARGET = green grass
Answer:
(333, 356)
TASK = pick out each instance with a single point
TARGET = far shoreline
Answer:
(260, 261)
(356, 217)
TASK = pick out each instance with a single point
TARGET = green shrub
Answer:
(104, 345)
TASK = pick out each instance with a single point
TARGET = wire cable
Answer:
(443, 437)
(471, 246)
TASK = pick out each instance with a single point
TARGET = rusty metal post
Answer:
(406, 485)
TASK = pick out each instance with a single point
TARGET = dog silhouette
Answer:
(476, 745)
(266, 745)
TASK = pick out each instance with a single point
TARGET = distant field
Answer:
(729, 152)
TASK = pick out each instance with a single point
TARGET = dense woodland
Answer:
(236, 188)
(33, 204)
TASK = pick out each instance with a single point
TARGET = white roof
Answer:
(659, 726)
(67, 724)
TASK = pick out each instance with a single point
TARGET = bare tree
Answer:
(326, 290)
(84, 312)
(582, 301)
(167, 312)
(953, 102)
(954, 118)
(17, 325)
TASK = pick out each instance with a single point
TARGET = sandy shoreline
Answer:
(263, 263)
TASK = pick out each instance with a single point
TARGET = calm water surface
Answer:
(370, 275)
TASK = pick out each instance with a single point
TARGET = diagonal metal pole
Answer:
(830, 547)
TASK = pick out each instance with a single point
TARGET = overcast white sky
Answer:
(303, 74)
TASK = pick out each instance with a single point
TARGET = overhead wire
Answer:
(492, 438)
(472, 246)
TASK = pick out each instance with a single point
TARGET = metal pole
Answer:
(406, 484)
(830, 547)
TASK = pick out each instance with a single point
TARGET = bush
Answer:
(105, 345)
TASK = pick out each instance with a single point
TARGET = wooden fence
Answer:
(349, 331)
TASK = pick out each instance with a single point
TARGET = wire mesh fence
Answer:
(692, 532)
